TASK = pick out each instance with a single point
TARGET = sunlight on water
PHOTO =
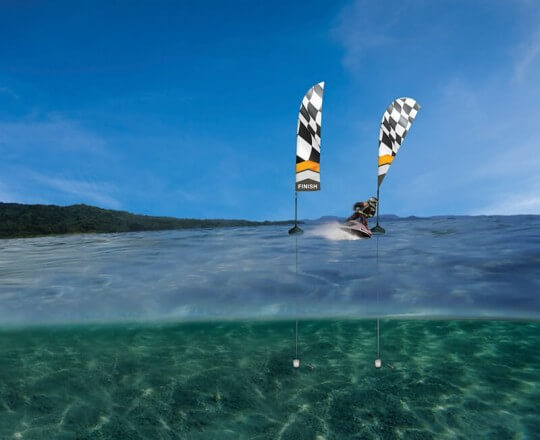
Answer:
(235, 380)
(217, 379)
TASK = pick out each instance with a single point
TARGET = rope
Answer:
(377, 288)
(296, 301)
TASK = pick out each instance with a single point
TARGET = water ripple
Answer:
(457, 266)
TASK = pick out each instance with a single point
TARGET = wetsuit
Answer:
(360, 216)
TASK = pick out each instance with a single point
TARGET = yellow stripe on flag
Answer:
(386, 159)
(308, 165)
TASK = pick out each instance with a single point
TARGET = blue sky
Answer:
(189, 109)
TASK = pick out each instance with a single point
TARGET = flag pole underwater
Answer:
(378, 361)
(296, 360)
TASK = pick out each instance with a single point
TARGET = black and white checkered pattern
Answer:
(308, 139)
(396, 121)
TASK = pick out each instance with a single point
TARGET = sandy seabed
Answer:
(446, 379)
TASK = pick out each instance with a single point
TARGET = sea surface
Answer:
(191, 334)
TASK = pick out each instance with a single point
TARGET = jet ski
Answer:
(356, 228)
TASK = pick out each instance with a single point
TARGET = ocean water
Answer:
(234, 380)
(451, 267)
(191, 334)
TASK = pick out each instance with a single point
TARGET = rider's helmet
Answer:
(372, 206)
(372, 201)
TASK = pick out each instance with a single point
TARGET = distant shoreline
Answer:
(19, 220)
(23, 221)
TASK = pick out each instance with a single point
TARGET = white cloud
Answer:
(364, 25)
(528, 56)
(511, 203)
(99, 193)
(40, 157)
(6, 195)
(8, 92)
(52, 134)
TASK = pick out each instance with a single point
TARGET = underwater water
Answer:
(234, 380)
(190, 334)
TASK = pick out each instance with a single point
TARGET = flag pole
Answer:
(295, 229)
(377, 228)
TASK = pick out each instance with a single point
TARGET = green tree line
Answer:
(19, 220)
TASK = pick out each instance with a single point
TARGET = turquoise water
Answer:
(85, 351)
(235, 380)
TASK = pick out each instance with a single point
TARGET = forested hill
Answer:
(18, 220)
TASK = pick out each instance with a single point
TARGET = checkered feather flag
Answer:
(395, 124)
(308, 140)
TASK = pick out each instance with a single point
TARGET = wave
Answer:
(332, 231)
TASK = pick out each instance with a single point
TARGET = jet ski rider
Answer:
(364, 210)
